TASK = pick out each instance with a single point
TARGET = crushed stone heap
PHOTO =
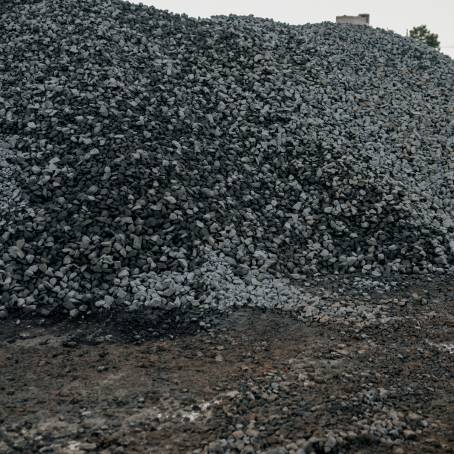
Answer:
(135, 143)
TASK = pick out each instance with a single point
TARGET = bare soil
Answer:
(247, 381)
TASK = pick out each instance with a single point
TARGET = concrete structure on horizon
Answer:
(360, 19)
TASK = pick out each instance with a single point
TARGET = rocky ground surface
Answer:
(245, 381)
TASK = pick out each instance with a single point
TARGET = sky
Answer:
(396, 15)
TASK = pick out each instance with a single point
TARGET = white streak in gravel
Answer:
(215, 286)
(444, 347)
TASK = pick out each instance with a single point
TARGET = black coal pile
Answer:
(135, 143)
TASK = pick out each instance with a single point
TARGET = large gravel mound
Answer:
(136, 146)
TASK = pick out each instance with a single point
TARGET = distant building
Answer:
(360, 19)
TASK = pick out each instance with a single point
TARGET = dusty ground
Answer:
(247, 382)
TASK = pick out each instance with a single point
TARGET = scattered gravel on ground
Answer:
(254, 382)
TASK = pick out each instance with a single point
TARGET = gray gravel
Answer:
(142, 140)
(10, 193)
(215, 285)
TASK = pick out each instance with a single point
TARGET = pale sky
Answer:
(397, 15)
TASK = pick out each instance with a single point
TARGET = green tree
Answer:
(422, 33)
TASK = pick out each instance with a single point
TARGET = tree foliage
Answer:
(422, 33)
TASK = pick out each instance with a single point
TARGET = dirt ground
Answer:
(244, 382)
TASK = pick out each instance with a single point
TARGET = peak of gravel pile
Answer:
(133, 141)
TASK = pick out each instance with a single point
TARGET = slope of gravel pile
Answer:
(134, 140)
(10, 193)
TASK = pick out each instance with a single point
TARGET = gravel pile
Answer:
(134, 140)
